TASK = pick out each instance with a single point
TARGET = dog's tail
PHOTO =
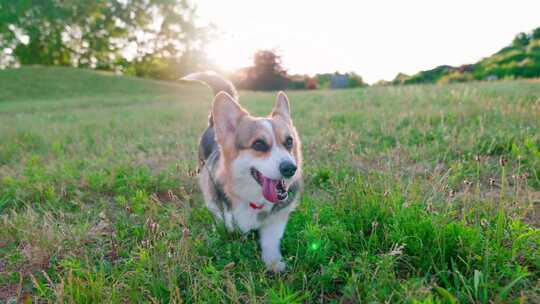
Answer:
(215, 81)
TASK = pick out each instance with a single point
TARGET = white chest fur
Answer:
(246, 218)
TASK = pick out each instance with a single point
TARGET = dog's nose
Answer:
(287, 169)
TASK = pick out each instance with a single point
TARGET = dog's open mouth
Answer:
(273, 190)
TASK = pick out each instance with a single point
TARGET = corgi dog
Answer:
(250, 167)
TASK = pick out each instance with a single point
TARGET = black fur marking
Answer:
(207, 145)
(220, 198)
(261, 216)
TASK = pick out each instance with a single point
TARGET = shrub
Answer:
(456, 77)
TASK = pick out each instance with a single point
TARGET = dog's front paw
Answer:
(276, 266)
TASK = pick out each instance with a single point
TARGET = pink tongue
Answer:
(269, 189)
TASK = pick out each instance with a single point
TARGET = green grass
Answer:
(414, 194)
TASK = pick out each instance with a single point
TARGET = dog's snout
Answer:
(287, 169)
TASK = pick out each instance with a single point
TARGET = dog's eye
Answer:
(288, 142)
(260, 145)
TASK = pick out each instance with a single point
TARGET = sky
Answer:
(376, 39)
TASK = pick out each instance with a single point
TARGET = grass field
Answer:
(414, 194)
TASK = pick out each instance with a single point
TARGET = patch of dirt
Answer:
(533, 216)
(101, 228)
(37, 258)
(8, 292)
(169, 196)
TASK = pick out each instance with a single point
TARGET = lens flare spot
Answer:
(315, 245)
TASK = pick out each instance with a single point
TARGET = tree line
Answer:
(520, 59)
(267, 73)
(161, 39)
(148, 38)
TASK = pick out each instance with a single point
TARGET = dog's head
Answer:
(261, 155)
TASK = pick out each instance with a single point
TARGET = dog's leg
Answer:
(229, 221)
(270, 236)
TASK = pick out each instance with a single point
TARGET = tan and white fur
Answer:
(250, 167)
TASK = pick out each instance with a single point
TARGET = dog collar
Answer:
(255, 206)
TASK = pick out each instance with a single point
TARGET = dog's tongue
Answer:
(269, 189)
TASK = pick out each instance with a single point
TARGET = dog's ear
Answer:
(282, 107)
(226, 113)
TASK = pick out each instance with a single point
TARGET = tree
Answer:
(521, 40)
(266, 73)
(536, 33)
(112, 35)
(356, 80)
(401, 78)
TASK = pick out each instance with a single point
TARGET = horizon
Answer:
(427, 36)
